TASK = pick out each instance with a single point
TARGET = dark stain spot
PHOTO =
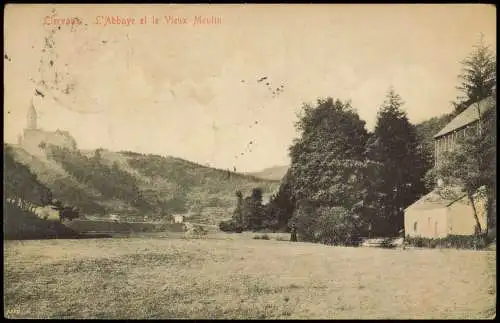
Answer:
(37, 92)
(51, 63)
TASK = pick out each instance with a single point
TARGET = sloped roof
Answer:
(467, 116)
(444, 197)
(436, 200)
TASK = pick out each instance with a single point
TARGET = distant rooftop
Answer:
(467, 116)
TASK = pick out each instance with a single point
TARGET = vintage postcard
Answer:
(248, 161)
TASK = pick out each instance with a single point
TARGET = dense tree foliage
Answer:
(334, 189)
(109, 180)
(249, 214)
(20, 182)
(395, 145)
(282, 205)
(331, 145)
(330, 171)
(326, 224)
(478, 78)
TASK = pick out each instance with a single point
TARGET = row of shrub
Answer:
(452, 241)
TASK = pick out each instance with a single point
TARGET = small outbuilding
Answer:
(434, 216)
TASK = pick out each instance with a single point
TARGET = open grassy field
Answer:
(235, 276)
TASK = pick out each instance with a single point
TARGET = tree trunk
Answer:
(473, 204)
(479, 121)
(491, 207)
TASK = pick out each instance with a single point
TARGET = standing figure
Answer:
(293, 237)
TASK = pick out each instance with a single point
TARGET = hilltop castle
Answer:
(32, 136)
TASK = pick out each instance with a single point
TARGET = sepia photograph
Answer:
(249, 161)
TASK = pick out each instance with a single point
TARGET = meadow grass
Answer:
(231, 276)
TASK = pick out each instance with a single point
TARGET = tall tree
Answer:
(328, 164)
(478, 77)
(253, 210)
(282, 204)
(395, 145)
(331, 146)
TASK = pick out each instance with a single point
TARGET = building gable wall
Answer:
(461, 216)
(426, 223)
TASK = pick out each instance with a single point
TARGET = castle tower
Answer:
(31, 117)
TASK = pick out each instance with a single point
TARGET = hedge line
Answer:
(452, 241)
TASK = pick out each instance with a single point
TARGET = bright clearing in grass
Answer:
(242, 278)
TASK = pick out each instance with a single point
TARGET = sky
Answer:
(191, 90)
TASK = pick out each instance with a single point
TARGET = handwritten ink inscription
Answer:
(13, 311)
